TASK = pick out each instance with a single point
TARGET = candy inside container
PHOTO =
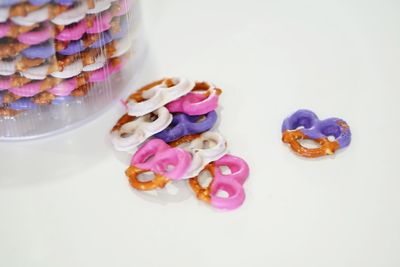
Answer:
(63, 61)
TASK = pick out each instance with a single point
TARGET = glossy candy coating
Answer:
(305, 124)
(130, 132)
(165, 162)
(204, 148)
(231, 183)
(157, 94)
(197, 103)
(183, 124)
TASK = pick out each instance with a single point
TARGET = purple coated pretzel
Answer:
(305, 124)
(183, 125)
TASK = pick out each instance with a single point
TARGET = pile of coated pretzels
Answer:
(53, 50)
(169, 129)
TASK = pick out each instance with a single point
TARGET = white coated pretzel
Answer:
(73, 15)
(205, 148)
(32, 18)
(8, 67)
(4, 12)
(100, 6)
(131, 134)
(41, 72)
(159, 95)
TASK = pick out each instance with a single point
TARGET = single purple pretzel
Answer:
(183, 124)
(305, 124)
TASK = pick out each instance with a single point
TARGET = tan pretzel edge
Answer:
(201, 192)
(184, 139)
(292, 138)
(133, 172)
(138, 96)
(203, 86)
(123, 120)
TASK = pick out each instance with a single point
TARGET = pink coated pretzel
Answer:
(101, 24)
(36, 37)
(5, 83)
(74, 32)
(231, 183)
(4, 29)
(112, 67)
(197, 103)
(165, 162)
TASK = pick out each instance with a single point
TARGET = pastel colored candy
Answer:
(230, 183)
(43, 50)
(158, 157)
(78, 46)
(65, 2)
(64, 88)
(101, 23)
(39, 2)
(36, 37)
(104, 39)
(73, 47)
(13, 2)
(4, 29)
(23, 104)
(315, 128)
(73, 32)
(36, 73)
(8, 67)
(27, 90)
(305, 124)
(131, 134)
(5, 83)
(158, 96)
(202, 154)
(4, 12)
(6, 3)
(103, 73)
(196, 103)
(99, 6)
(70, 70)
(123, 29)
(74, 14)
(122, 46)
(33, 17)
(183, 124)
(62, 100)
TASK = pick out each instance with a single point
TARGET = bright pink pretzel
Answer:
(157, 156)
(195, 103)
(231, 183)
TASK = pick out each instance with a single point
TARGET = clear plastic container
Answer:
(63, 62)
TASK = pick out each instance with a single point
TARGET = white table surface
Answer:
(65, 201)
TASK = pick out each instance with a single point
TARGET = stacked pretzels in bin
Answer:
(169, 128)
(53, 50)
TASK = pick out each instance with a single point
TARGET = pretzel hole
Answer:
(152, 117)
(302, 123)
(201, 118)
(201, 87)
(309, 143)
(169, 168)
(146, 176)
(208, 144)
(205, 179)
(125, 135)
(222, 194)
(148, 158)
(331, 138)
(225, 170)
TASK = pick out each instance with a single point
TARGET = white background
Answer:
(65, 201)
